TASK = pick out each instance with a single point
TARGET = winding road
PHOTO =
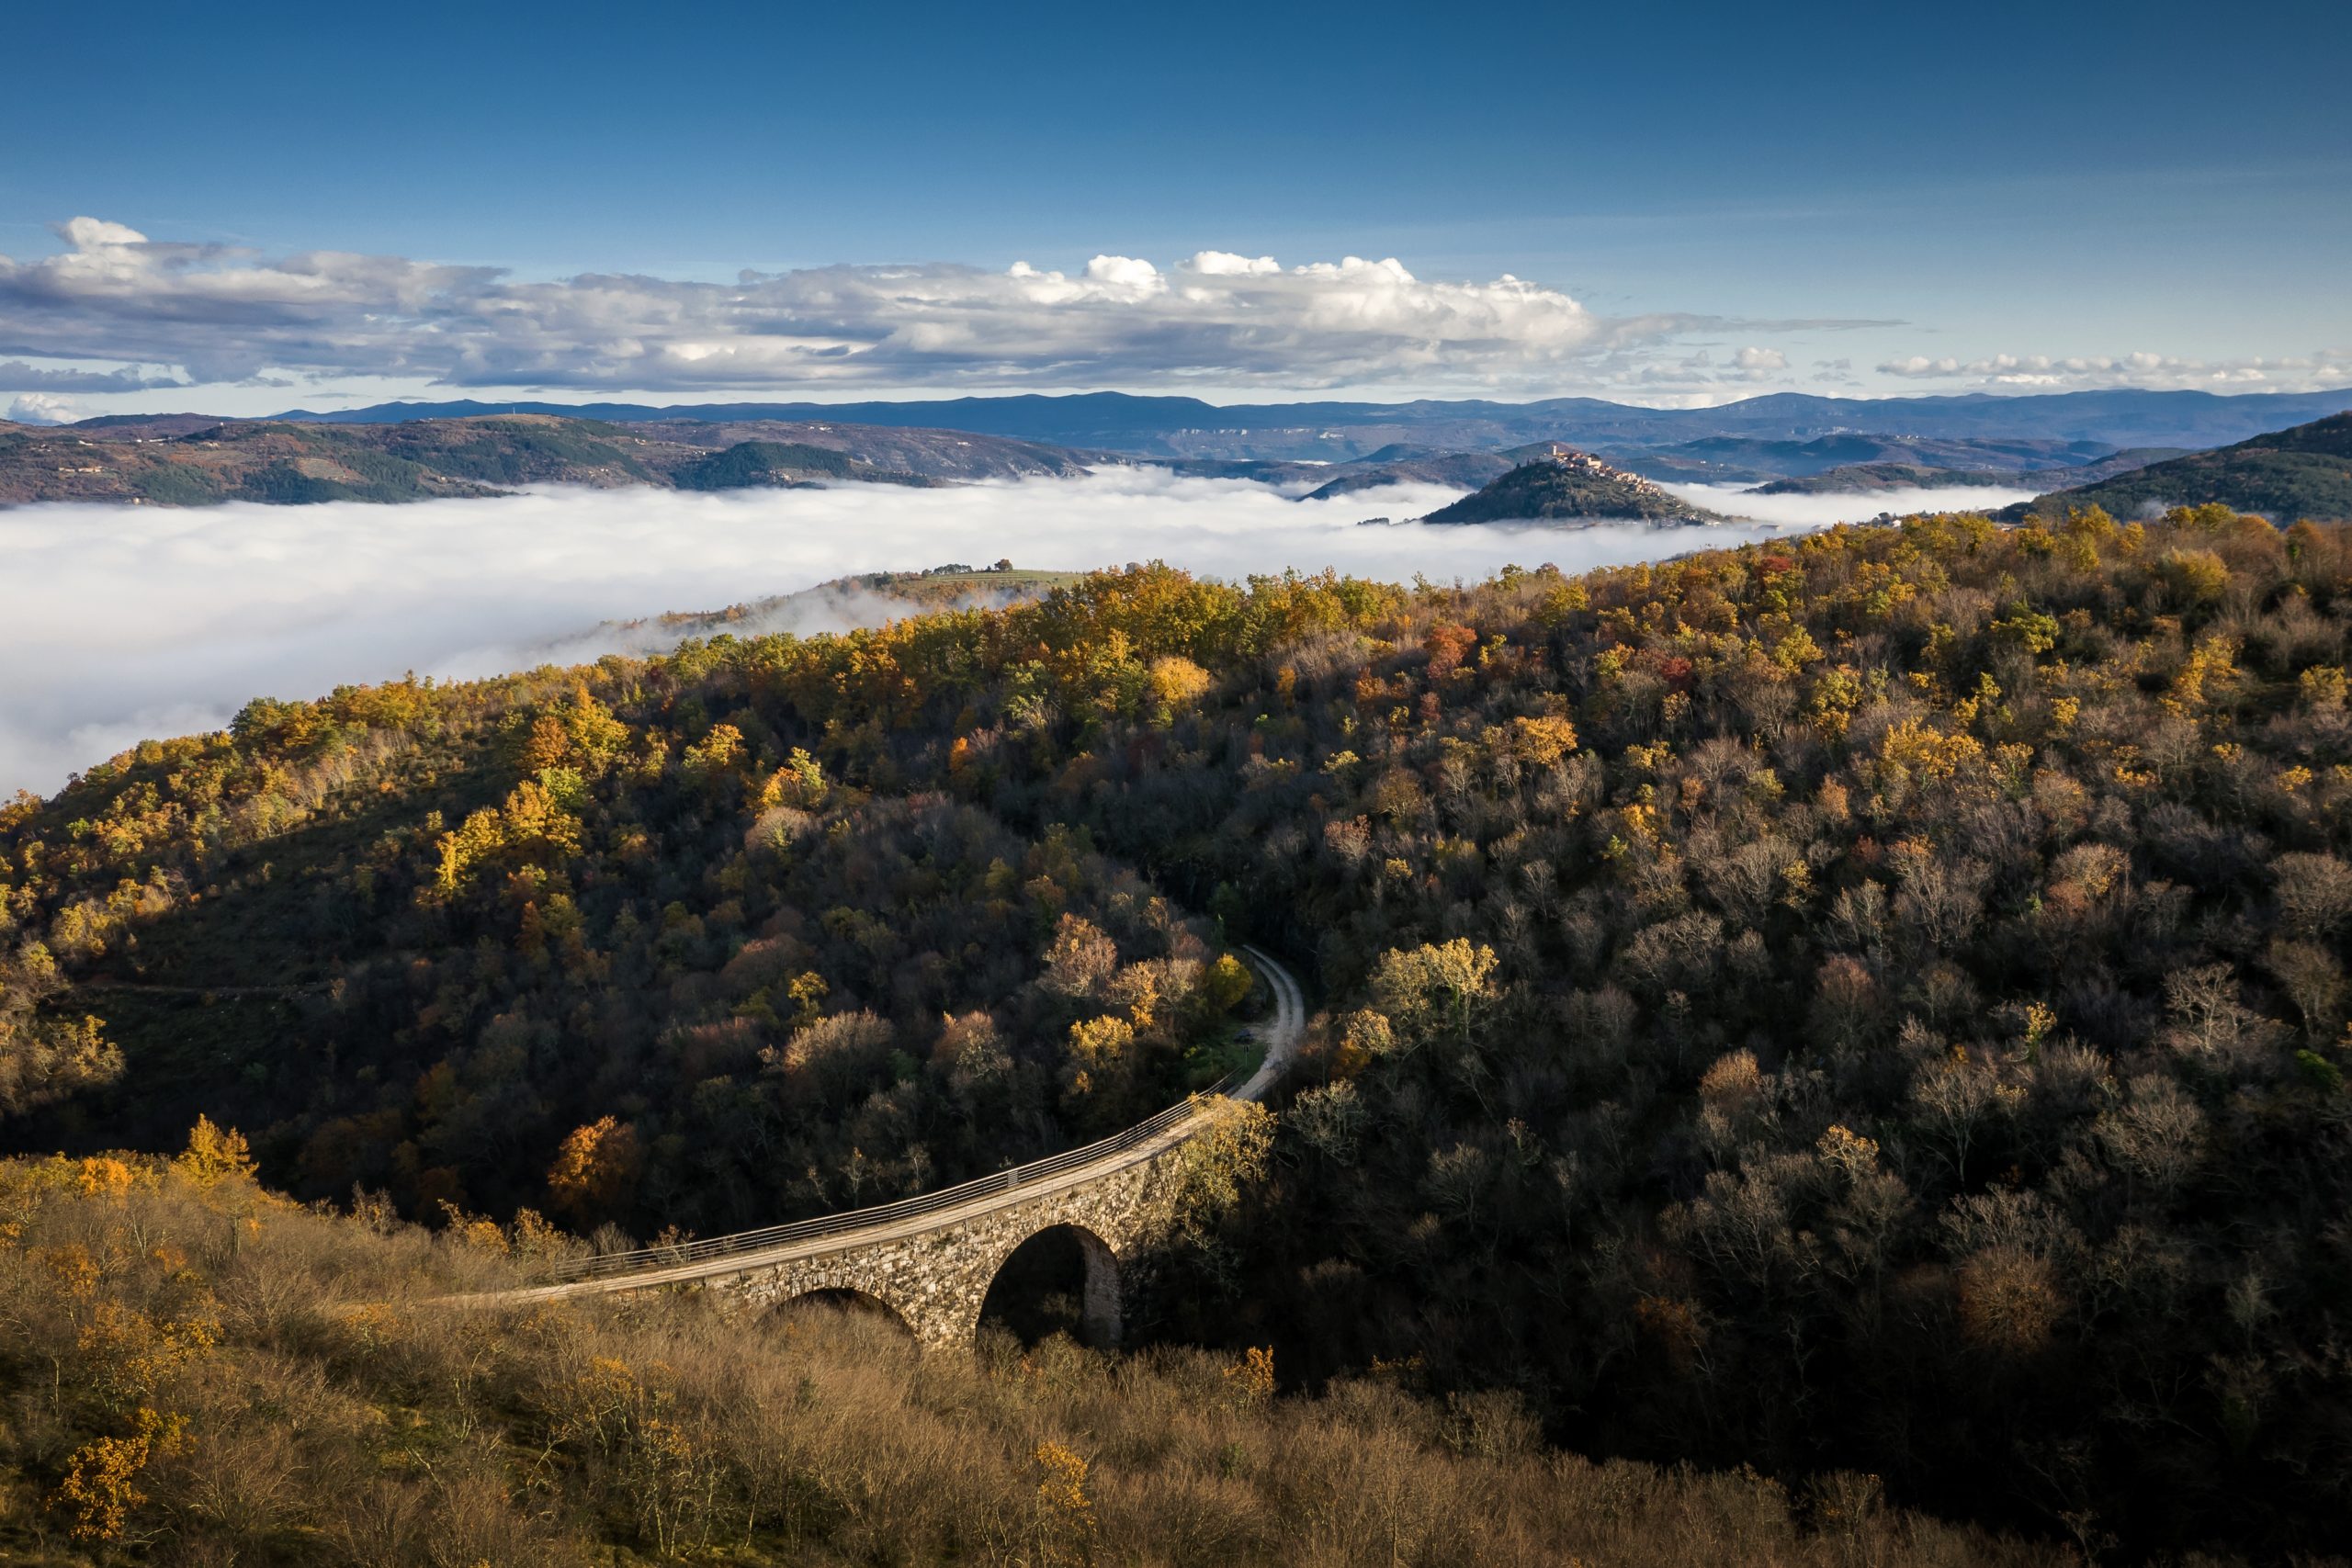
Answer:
(911, 1217)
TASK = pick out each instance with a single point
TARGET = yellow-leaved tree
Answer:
(213, 1154)
(1174, 684)
(595, 1171)
(1435, 991)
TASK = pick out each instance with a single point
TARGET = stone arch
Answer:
(834, 1294)
(937, 1280)
(1101, 1292)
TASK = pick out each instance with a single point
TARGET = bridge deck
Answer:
(857, 1228)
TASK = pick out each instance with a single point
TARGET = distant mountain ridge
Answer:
(1868, 479)
(1862, 478)
(191, 459)
(180, 460)
(1188, 427)
(1732, 459)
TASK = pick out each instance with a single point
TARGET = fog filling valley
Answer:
(120, 624)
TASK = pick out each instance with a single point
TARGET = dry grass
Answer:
(315, 1406)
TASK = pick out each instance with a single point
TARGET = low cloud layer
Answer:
(120, 623)
(1816, 511)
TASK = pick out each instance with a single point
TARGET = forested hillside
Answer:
(499, 945)
(1561, 486)
(2286, 474)
(1870, 1002)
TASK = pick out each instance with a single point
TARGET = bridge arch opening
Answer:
(839, 1310)
(1063, 1279)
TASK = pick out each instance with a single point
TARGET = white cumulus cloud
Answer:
(2044, 372)
(1218, 318)
(115, 310)
(42, 408)
(96, 234)
(1224, 263)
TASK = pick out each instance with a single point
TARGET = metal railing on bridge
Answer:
(605, 1265)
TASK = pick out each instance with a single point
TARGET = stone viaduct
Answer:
(931, 1259)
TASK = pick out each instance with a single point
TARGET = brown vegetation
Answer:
(197, 1372)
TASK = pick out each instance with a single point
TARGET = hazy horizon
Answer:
(153, 406)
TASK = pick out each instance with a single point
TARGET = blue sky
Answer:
(1705, 201)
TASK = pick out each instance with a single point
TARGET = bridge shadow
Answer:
(1064, 1279)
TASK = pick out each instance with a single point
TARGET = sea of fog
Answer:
(117, 623)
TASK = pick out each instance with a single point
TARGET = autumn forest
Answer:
(1832, 1049)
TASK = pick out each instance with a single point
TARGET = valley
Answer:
(2001, 987)
(1213, 787)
